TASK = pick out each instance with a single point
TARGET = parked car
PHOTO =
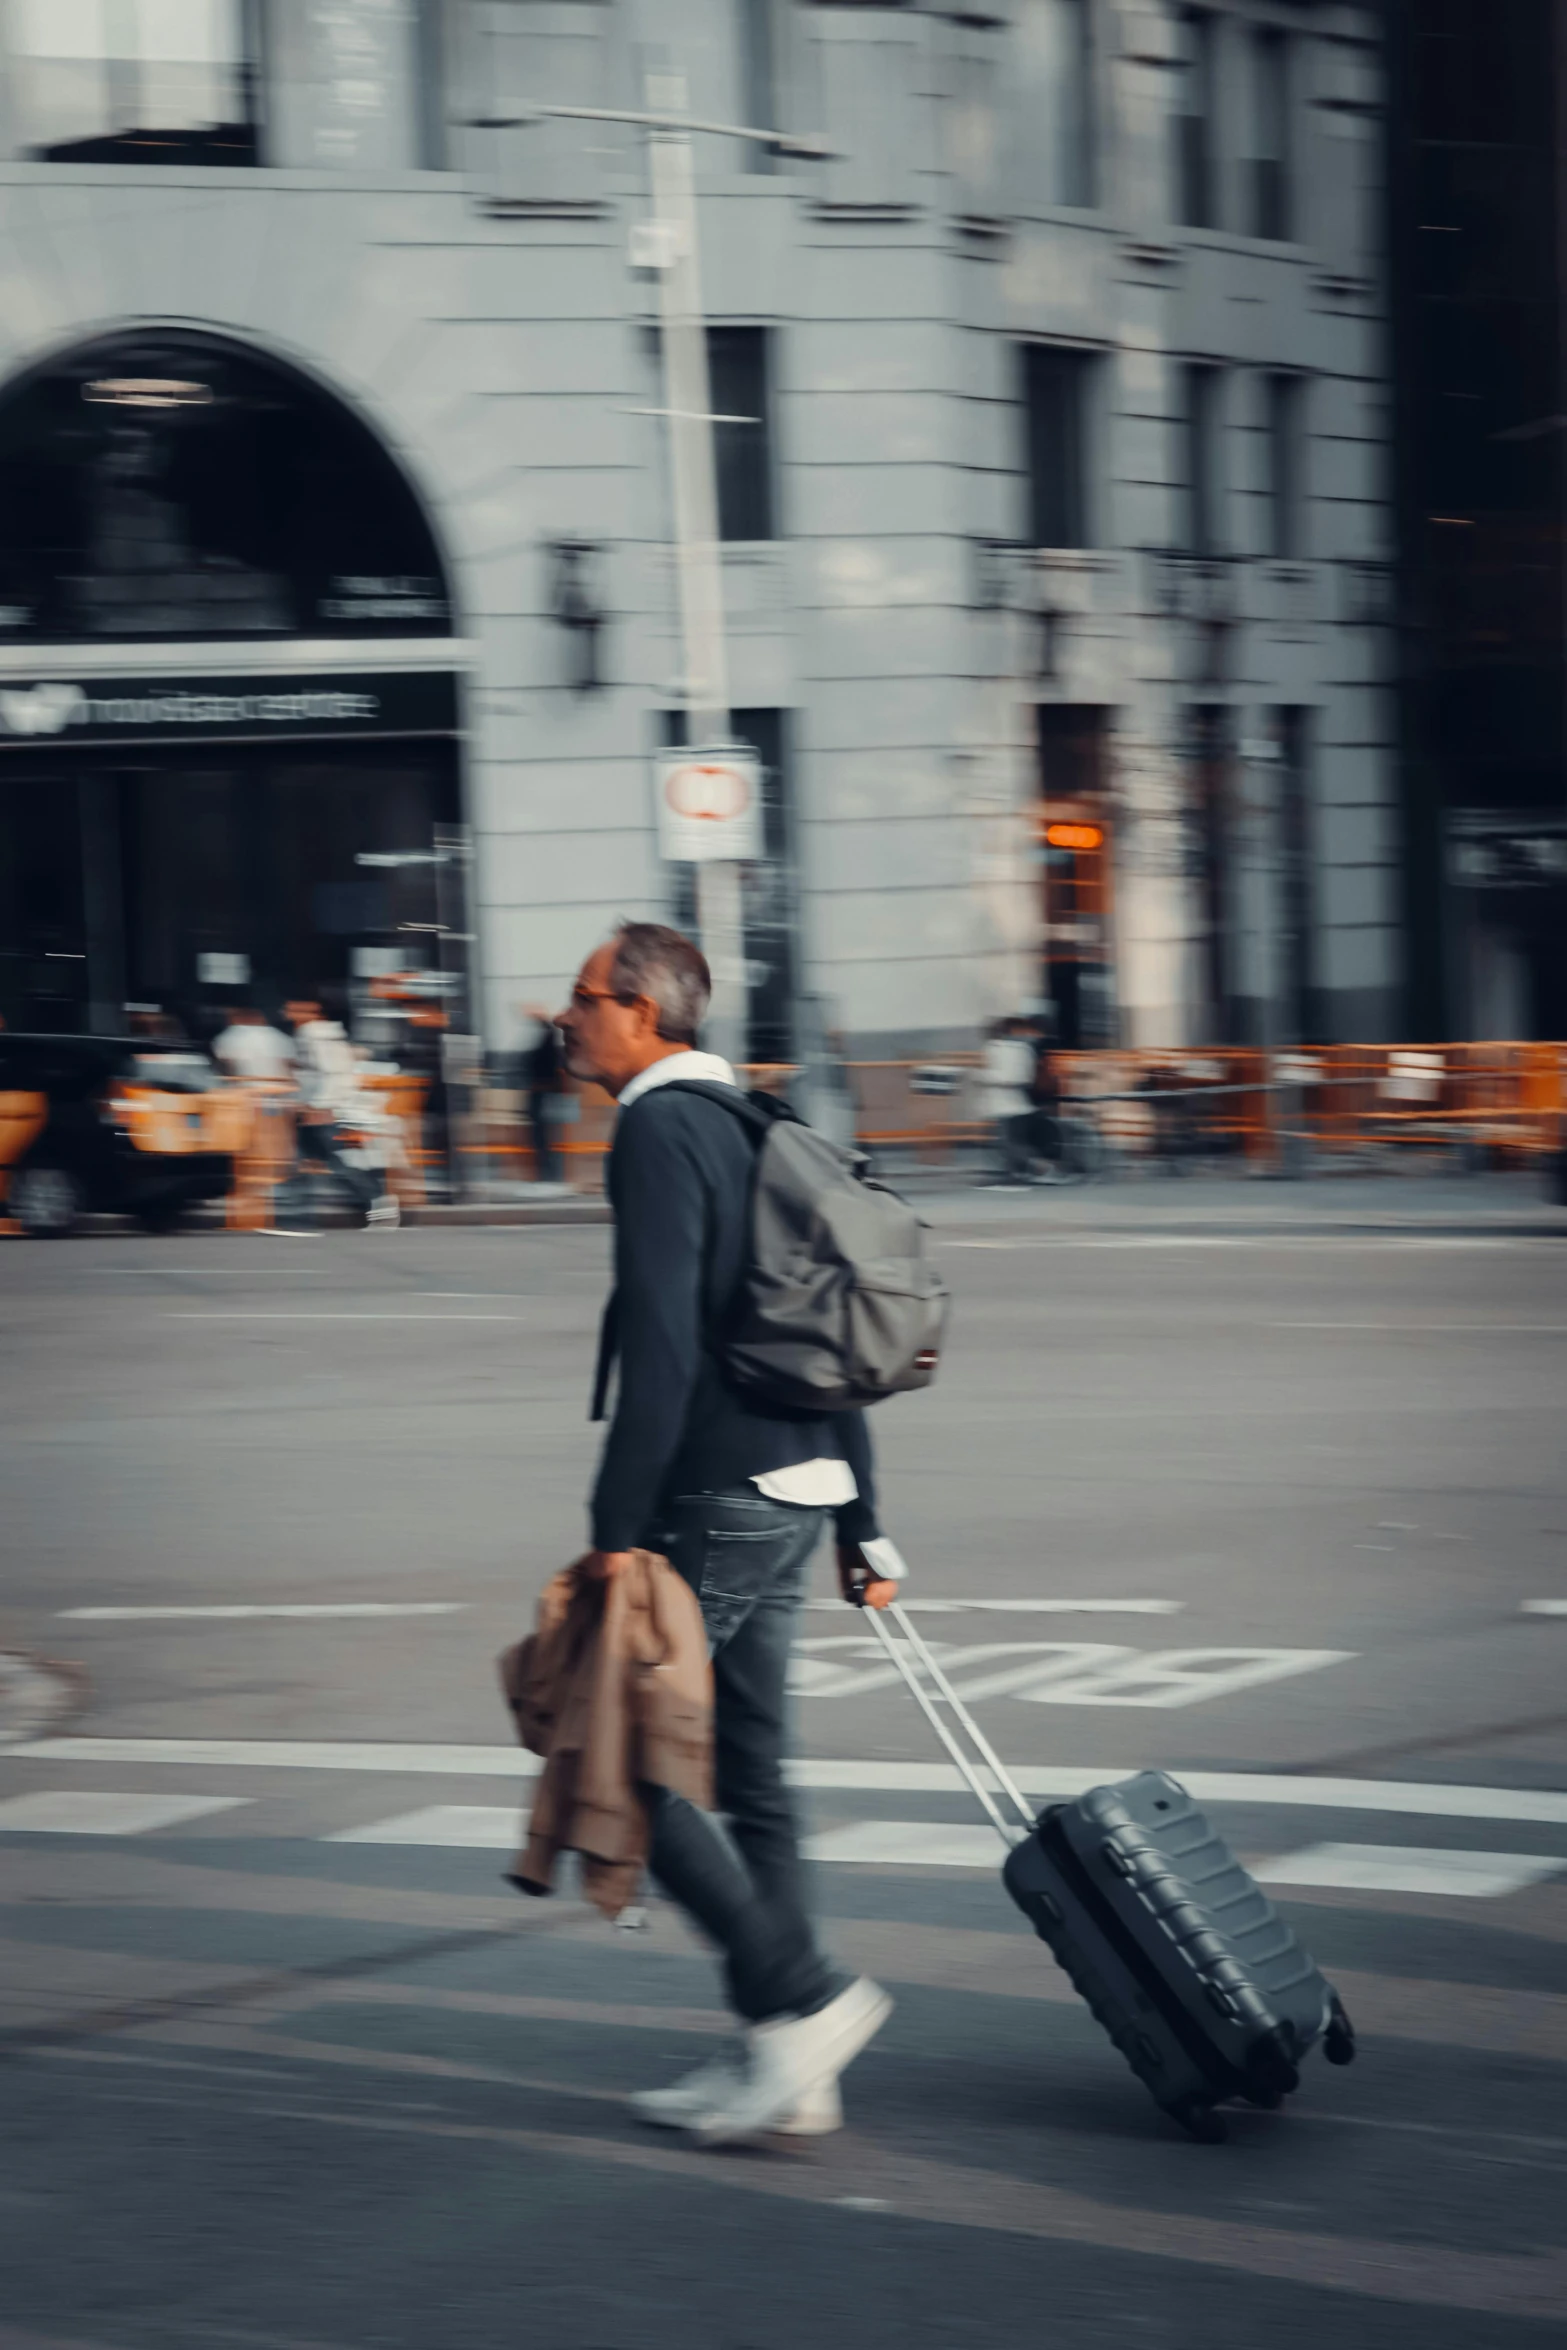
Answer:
(106, 1123)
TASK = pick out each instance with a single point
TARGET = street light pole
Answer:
(672, 248)
(688, 409)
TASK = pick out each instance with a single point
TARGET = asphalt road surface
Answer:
(284, 2062)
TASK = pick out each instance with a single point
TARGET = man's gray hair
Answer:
(653, 961)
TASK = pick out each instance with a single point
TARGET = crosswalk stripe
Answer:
(1394, 1868)
(336, 1607)
(1382, 1868)
(1021, 1607)
(1061, 1782)
(78, 1812)
(476, 1826)
(917, 1843)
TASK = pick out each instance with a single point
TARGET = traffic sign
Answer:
(710, 805)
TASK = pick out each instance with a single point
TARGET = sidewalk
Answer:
(1442, 1206)
(1439, 1206)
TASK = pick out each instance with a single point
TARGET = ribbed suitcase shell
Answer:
(1179, 1953)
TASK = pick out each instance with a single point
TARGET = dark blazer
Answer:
(680, 1185)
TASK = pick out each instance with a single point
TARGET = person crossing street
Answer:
(736, 1495)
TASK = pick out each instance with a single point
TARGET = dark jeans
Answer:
(324, 1145)
(746, 1558)
(1032, 1134)
(546, 1154)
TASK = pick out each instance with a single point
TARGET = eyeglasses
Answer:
(584, 998)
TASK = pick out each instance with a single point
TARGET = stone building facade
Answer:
(1055, 519)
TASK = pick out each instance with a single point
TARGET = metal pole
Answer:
(698, 562)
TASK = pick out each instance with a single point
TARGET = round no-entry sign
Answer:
(710, 804)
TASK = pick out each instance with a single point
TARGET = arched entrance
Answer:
(228, 704)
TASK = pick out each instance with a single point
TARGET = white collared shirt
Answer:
(696, 1068)
(824, 1483)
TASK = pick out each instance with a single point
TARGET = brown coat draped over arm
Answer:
(614, 1689)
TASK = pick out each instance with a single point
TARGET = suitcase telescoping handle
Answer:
(914, 1644)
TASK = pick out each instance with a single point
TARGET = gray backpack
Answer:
(840, 1304)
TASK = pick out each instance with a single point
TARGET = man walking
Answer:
(329, 1097)
(736, 1497)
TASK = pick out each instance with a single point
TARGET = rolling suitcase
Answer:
(1179, 1953)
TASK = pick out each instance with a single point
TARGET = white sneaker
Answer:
(383, 1214)
(790, 2061)
(684, 2102)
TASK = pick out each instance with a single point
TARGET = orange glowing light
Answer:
(1074, 836)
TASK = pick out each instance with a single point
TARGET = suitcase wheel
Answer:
(1270, 2066)
(1200, 2120)
(1338, 2041)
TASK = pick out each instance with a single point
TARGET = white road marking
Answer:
(1060, 1781)
(1544, 1607)
(922, 1843)
(1178, 1676)
(1380, 1868)
(1440, 1329)
(1118, 1240)
(74, 1812)
(1395, 1868)
(1337, 1242)
(395, 1316)
(471, 1826)
(1057, 1672)
(342, 1607)
(1021, 1607)
(290, 1754)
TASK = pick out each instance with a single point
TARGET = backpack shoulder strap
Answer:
(757, 1112)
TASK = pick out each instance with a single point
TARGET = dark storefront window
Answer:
(1213, 834)
(1075, 855)
(132, 81)
(172, 485)
(1297, 911)
(195, 809)
(121, 878)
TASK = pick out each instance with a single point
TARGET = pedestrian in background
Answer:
(329, 1103)
(541, 1075)
(1007, 1097)
(736, 1496)
(251, 1050)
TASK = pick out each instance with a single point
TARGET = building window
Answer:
(1213, 828)
(1283, 414)
(1203, 391)
(740, 387)
(1297, 908)
(1269, 125)
(1055, 396)
(97, 82)
(758, 77)
(1057, 95)
(1195, 195)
